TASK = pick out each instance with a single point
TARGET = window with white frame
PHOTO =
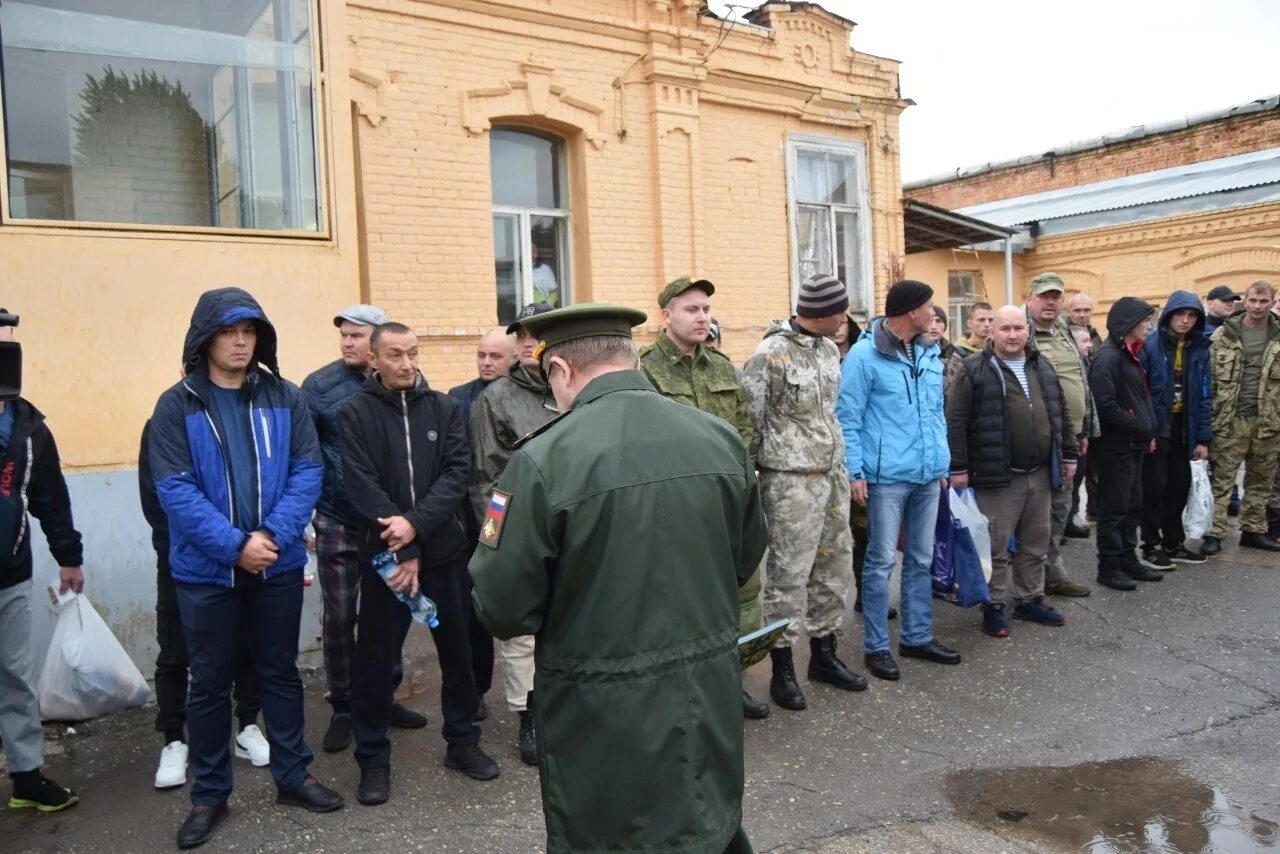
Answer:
(962, 289)
(530, 220)
(829, 215)
(194, 113)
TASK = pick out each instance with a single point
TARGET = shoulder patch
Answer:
(495, 515)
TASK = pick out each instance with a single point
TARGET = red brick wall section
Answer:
(1209, 141)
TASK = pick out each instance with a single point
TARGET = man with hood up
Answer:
(236, 465)
(1176, 360)
(512, 407)
(1119, 387)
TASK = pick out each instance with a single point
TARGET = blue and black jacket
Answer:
(1197, 377)
(191, 468)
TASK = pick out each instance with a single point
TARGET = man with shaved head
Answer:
(1011, 441)
(495, 352)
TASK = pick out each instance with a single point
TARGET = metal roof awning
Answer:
(928, 227)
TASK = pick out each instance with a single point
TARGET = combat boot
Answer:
(824, 666)
(783, 686)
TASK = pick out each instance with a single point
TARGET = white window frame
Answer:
(956, 305)
(861, 208)
(524, 216)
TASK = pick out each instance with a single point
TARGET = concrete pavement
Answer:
(987, 756)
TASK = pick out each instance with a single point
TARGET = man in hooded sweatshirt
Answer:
(1176, 360)
(236, 465)
(1128, 420)
(512, 407)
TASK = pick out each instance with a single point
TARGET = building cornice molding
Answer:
(1161, 231)
(532, 95)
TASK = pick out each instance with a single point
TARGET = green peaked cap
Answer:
(585, 320)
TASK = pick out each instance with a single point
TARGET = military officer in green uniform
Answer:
(619, 535)
(682, 367)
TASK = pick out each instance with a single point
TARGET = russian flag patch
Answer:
(495, 514)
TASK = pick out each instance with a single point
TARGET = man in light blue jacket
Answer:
(895, 434)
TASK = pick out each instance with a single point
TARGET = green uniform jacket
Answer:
(623, 530)
(707, 381)
(1227, 361)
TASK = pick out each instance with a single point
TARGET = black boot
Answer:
(753, 709)
(824, 666)
(1255, 540)
(1109, 575)
(1130, 566)
(528, 739)
(199, 825)
(783, 686)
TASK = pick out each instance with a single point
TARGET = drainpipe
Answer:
(1008, 270)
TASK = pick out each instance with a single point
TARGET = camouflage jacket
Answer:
(791, 383)
(1090, 427)
(1226, 357)
(509, 409)
(706, 380)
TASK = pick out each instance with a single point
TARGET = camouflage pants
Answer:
(1240, 444)
(810, 560)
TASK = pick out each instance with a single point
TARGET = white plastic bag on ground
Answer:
(964, 507)
(86, 672)
(1197, 517)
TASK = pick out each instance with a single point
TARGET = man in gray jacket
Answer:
(510, 408)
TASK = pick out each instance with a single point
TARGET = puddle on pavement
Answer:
(1130, 805)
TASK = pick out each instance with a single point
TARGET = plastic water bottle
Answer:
(420, 607)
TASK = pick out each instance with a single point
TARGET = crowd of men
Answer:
(846, 440)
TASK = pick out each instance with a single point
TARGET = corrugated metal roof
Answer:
(1255, 169)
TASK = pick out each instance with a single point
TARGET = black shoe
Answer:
(338, 736)
(482, 710)
(199, 825)
(1130, 567)
(472, 761)
(931, 651)
(882, 665)
(528, 739)
(1078, 532)
(1110, 575)
(1210, 545)
(857, 606)
(33, 790)
(1182, 555)
(825, 666)
(1254, 540)
(993, 621)
(783, 687)
(753, 709)
(402, 718)
(1233, 507)
(311, 795)
(1155, 558)
(375, 786)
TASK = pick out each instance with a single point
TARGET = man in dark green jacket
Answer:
(619, 535)
(682, 366)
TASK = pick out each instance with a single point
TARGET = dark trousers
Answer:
(1086, 473)
(1166, 483)
(383, 623)
(171, 664)
(1119, 502)
(481, 651)
(858, 528)
(269, 611)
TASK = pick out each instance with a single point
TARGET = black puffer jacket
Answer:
(31, 479)
(1118, 382)
(978, 428)
(405, 453)
(327, 391)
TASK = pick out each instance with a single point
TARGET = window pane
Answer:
(849, 259)
(196, 113)
(825, 178)
(507, 267)
(525, 170)
(813, 244)
(547, 239)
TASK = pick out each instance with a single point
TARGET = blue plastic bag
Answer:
(943, 540)
(958, 575)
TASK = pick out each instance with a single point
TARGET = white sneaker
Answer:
(172, 772)
(251, 744)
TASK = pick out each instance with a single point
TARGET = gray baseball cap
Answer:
(365, 315)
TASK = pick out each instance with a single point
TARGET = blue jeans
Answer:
(270, 610)
(890, 508)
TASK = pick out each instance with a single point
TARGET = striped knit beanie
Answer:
(822, 295)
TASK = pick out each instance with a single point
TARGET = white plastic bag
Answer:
(86, 672)
(964, 507)
(1197, 517)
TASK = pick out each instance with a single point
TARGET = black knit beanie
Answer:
(906, 296)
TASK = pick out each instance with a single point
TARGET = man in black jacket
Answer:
(1011, 441)
(1128, 421)
(406, 467)
(30, 479)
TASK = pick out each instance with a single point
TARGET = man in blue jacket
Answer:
(895, 433)
(236, 466)
(1176, 361)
